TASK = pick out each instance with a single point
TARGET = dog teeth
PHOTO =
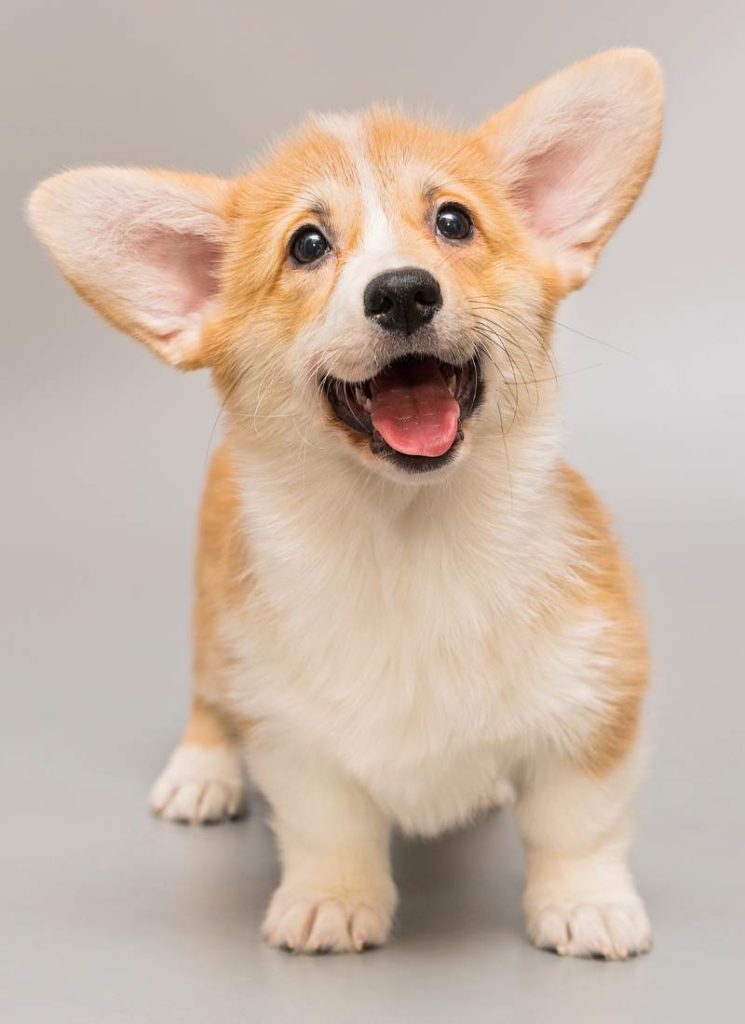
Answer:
(367, 405)
(451, 381)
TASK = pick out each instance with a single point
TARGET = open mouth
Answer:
(412, 411)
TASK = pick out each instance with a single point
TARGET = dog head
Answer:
(379, 287)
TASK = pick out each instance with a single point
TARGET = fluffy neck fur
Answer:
(496, 525)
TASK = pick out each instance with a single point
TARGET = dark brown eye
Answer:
(453, 222)
(308, 245)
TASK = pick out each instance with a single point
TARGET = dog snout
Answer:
(402, 300)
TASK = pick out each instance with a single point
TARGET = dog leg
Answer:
(203, 780)
(336, 893)
(580, 899)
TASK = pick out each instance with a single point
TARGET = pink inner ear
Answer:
(185, 267)
(549, 189)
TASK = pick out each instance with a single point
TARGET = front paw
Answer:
(327, 919)
(200, 785)
(612, 930)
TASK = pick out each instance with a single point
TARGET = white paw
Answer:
(608, 931)
(324, 922)
(200, 785)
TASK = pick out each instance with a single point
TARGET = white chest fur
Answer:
(405, 633)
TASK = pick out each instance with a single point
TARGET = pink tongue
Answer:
(413, 410)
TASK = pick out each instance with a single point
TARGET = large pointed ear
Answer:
(142, 247)
(575, 152)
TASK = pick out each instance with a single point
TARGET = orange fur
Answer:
(223, 577)
(603, 579)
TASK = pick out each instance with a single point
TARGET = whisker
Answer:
(506, 450)
(503, 346)
(489, 335)
(558, 323)
(534, 333)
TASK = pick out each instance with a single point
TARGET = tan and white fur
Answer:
(383, 648)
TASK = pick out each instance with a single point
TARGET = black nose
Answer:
(402, 300)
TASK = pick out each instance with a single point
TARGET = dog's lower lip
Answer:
(351, 404)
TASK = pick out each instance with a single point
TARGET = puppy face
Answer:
(379, 292)
(380, 288)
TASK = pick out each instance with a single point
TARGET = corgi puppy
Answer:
(405, 599)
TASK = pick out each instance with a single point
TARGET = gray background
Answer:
(109, 916)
